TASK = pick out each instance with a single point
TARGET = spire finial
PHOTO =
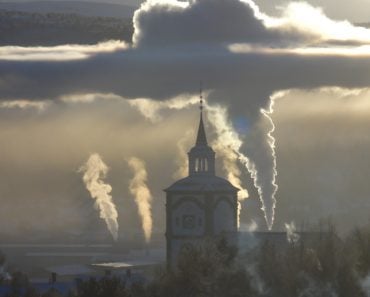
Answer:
(201, 136)
(201, 97)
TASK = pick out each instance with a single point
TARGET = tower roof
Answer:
(202, 183)
(201, 136)
(202, 177)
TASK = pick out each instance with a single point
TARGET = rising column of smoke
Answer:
(183, 146)
(227, 145)
(94, 171)
(270, 187)
(260, 147)
(291, 234)
(143, 197)
(261, 160)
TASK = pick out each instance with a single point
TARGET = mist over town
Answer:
(163, 133)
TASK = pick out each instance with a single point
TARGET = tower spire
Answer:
(201, 98)
(201, 136)
(201, 156)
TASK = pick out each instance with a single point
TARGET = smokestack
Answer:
(94, 171)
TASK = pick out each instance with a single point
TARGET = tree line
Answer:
(31, 29)
(319, 265)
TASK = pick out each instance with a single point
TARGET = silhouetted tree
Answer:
(2, 258)
(31, 292)
(318, 265)
(360, 245)
(19, 281)
(205, 270)
(105, 287)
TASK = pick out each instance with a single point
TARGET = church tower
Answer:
(200, 205)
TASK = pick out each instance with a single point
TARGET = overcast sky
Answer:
(288, 116)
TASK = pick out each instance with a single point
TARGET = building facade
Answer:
(201, 205)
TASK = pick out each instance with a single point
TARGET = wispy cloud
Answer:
(68, 52)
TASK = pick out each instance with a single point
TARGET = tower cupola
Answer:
(201, 156)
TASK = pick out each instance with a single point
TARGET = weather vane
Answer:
(201, 97)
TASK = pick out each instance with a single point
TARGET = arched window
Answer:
(201, 165)
(197, 165)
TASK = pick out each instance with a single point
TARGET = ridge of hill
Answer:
(46, 29)
(72, 7)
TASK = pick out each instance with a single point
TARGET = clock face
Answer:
(188, 221)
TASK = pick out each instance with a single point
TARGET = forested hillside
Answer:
(366, 25)
(26, 28)
(85, 8)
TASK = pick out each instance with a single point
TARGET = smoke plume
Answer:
(256, 152)
(291, 234)
(227, 145)
(183, 146)
(25, 104)
(259, 146)
(95, 170)
(143, 197)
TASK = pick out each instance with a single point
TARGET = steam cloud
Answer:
(262, 168)
(143, 197)
(94, 171)
(228, 146)
(261, 149)
(291, 234)
(183, 146)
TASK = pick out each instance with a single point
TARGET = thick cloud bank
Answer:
(176, 23)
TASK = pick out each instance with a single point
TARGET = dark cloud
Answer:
(202, 22)
(245, 79)
(191, 44)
